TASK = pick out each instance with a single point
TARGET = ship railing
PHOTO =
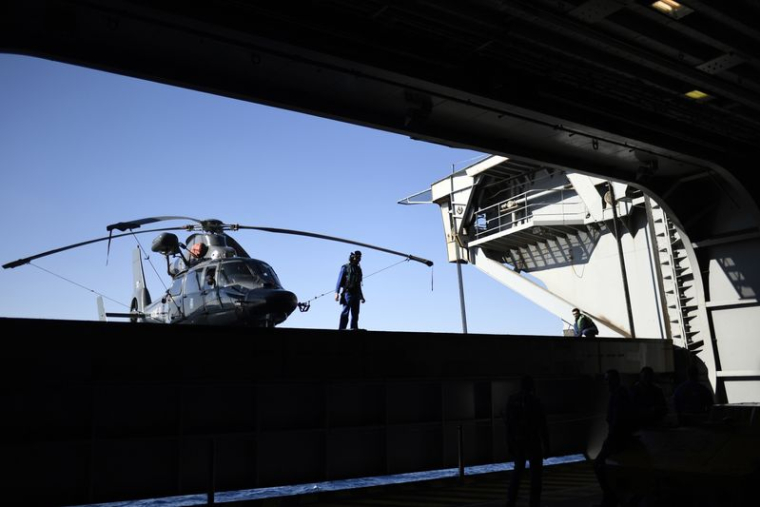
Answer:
(555, 206)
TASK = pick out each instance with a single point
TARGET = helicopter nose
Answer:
(274, 300)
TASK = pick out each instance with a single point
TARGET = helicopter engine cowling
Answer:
(176, 267)
(166, 243)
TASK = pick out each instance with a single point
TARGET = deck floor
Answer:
(567, 485)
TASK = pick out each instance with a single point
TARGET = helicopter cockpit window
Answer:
(192, 240)
(213, 240)
(209, 278)
(248, 273)
(266, 273)
(207, 239)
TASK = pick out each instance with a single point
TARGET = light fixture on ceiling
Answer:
(697, 95)
(671, 8)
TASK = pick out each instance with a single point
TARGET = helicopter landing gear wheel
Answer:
(133, 311)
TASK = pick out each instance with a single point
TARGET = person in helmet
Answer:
(348, 290)
(584, 326)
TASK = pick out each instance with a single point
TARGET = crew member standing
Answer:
(350, 281)
(527, 440)
(692, 400)
(648, 399)
(620, 428)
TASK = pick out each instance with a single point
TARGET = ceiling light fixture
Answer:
(697, 95)
(671, 8)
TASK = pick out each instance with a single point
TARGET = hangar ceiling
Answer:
(598, 86)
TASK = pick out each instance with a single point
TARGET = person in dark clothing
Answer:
(692, 400)
(583, 325)
(620, 426)
(350, 281)
(648, 400)
(527, 439)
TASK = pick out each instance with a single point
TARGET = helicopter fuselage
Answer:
(226, 291)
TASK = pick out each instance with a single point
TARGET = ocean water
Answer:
(302, 489)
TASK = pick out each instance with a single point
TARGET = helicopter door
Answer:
(173, 301)
(192, 301)
(210, 292)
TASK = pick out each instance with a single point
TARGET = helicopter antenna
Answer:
(77, 284)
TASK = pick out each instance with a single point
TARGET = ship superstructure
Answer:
(564, 239)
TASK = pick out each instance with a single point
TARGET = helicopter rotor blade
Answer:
(331, 238)
(27, 260)
(135, 224)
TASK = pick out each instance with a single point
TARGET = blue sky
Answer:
(80, 149)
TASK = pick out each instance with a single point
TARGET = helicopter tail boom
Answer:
(141, 298)
(101, 309)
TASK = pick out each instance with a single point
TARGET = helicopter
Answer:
(214, 280)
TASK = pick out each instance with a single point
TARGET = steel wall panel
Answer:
(180, 410)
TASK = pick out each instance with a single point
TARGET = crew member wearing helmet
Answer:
(350, 281)
(584, 326)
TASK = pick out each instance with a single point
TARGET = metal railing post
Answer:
(211, 472)
(621, 257)
(461, 453)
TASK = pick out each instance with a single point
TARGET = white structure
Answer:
(604, 247)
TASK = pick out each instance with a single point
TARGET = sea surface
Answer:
(316, 487)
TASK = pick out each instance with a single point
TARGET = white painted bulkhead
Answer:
(596, 285)
(700, 295)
